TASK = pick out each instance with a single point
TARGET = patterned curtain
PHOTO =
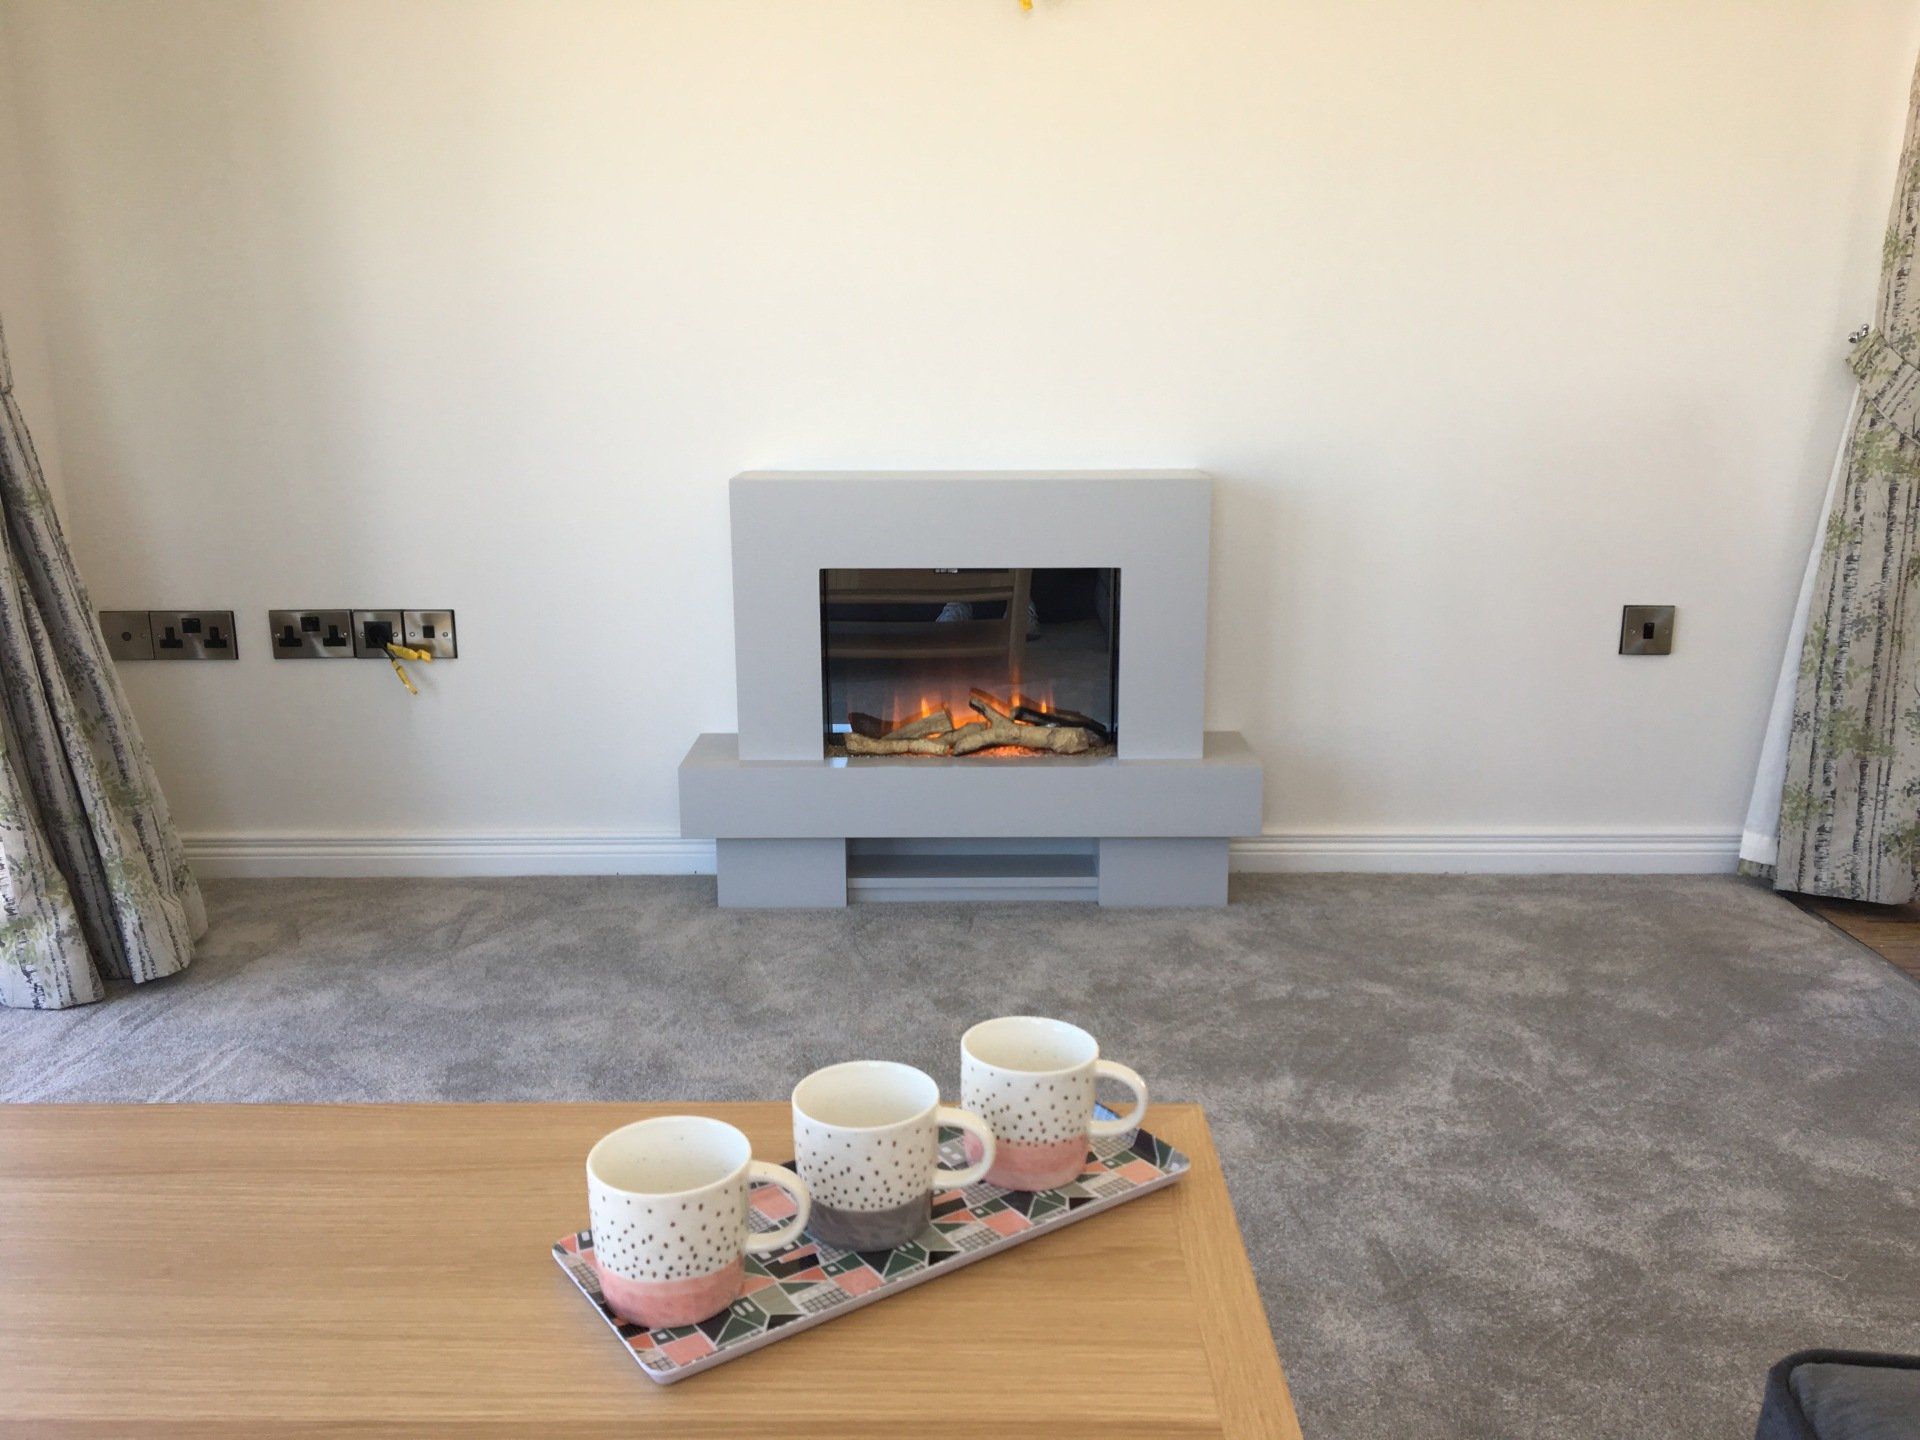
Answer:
(1850, 803)
(93, 882)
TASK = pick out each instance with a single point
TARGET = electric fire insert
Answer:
(976, 662)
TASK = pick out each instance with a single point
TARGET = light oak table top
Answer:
(225, 1270)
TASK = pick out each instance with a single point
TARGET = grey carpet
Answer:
(1529, 1157)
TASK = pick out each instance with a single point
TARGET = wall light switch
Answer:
(193, 635)
(1646, 629)
(310, 634)
(432, 631)
(127, 635)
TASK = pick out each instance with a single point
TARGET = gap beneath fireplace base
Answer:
(973, 870)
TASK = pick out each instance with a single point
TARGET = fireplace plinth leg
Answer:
(1163, 872)
(774, 874)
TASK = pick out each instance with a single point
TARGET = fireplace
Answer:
(970, 686)
(993, 663)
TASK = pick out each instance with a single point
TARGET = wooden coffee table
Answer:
(226, 1270)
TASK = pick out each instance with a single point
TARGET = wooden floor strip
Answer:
(1891, 931)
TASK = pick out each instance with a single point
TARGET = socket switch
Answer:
(128, 637)
(1646, 629)
(373, 630)
(432, 631)
(310, 634)
(193, 635)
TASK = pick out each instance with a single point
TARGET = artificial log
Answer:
(938, 723)
(988, 705)
(861, 745)
(1065, 740)
(1055, 719)
(871, 726)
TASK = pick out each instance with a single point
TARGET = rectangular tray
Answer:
(799, 1287)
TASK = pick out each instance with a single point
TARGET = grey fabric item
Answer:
(1859, 1402)
(1547, 1158)
(93, 880)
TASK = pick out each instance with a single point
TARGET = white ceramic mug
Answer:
(866, 1135)
(668, 1197)
(1033, 1079)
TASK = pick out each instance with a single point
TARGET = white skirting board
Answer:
(1665, 852)
(1608, 852)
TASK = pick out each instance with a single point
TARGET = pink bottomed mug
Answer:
(668, 1198)
(1032, 1080)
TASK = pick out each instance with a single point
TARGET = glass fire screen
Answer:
(896, 645)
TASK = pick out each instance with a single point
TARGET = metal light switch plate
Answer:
(1646, 629)
(310, 634)
(432, 631)
(369, 626)
(193, 635)
(127, 635)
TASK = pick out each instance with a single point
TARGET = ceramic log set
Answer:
(1033, 1081)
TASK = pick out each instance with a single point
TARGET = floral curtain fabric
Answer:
(1850, 802)
(93, 881)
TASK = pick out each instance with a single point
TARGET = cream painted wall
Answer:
(1489, 317)
(20, 291)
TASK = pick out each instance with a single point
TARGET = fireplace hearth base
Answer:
(1102, 829)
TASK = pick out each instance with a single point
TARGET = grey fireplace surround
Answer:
(1147, 825)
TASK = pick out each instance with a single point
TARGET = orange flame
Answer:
(917, 705)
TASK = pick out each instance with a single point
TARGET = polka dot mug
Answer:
(1033, 1079)
(668, 1197)
(866, 1135)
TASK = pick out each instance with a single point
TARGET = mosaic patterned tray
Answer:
(794, 1289)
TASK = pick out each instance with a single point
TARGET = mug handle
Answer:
(1112, 1070)
(779, 1175)
(971, 1123)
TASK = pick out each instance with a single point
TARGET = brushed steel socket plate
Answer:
(365, 649)
(432, 631)
(310, 634)
(1646, 629)
(193, 635)
(128, 637)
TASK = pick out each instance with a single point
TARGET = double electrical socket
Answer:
(311, 634)
(359, 634)
(170, 634)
